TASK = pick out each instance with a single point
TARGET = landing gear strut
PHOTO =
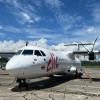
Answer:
(22, 83)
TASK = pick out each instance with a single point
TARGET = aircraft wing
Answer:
(7, 53)
(85, 52)
(80, 52)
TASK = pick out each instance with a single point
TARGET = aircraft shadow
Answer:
(47, 83)
(93, 79)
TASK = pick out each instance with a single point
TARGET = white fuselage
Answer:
(28, 64)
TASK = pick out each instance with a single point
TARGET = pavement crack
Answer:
(39, 97)
(86, 85)
(25, 96)
(51, 96)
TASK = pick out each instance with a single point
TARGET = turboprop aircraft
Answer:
(34, 62)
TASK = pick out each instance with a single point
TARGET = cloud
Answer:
(0, 26)
(66, 20)
(37, 19)
(38, 3)
(40, 43)
(2, 34)
(43, 33)
(14, 46)
(26, 17)
(91, 30)
(96, 13)
(88, 33)
(12, 29)
(32, 32)
(24, 13)
(54, 3)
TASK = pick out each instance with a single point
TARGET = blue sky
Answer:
(57, 21)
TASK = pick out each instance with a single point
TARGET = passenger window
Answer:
(37, 53)
(43, 53)
(27, 52)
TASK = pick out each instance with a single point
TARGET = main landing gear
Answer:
(23, 83)
(78, 75)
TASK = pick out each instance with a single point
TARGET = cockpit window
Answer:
(27, 52)
(37, 53)
(43, 53)
(19, 52)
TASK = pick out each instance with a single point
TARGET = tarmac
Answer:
(55, 88)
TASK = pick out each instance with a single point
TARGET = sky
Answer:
(50, 23)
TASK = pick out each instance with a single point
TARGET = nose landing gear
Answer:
(23, 84)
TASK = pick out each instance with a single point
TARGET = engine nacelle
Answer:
(92, 56)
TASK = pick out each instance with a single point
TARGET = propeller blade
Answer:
(97, 60)
(85, 47)
(94, 43)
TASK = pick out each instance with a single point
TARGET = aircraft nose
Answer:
(12, 64)
(17, 66)
(12, 68)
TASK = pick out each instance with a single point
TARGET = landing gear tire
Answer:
(78, 75)
(22, 83)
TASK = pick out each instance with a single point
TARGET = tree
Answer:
(3, 60)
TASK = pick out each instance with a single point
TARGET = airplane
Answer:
(33, 62)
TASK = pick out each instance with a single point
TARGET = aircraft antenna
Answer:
(27, 43)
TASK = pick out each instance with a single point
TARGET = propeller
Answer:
(91, 53)
(84, 47)
(94, 43)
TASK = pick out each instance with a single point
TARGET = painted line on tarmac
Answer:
(84, 86)
(77, 93)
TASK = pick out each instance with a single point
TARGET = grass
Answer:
(91, 66)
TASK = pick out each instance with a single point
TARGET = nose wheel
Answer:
(22, 83)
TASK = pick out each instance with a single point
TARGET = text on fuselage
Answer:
(52, 64)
